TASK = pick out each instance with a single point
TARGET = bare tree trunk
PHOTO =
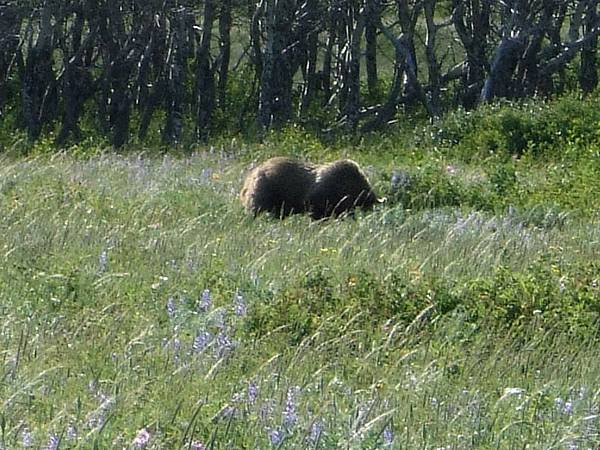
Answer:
(225, 22)
(205, 79)
(332, 37)
(10, 24)
(255, 38)
(175, 83)
(588, 70)
(516, 16)
(471, 19)
(408, 13)
(151, 78)
(38, 78)
(275, 103)
(77, 81)
(433, 65)
(354, 25)
(373, 10)
(310, 69)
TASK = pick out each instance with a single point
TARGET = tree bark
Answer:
(373, 10)
(205, 77)
(225, 22)
(275, 102)
(588, 69)
(38, 78)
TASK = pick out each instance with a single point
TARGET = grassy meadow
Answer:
(140, 307)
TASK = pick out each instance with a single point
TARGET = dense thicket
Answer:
(196, 66)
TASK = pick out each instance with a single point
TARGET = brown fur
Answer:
(284, 186)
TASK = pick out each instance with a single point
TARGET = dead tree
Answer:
(471, 20)
(351, 23)
(225, 23)
(310, 26)
(38, 79)
(180, 49)
(10, 24)
(77, 81)
(205, 73)
(275, 102)
(588, 69)
(372, 11)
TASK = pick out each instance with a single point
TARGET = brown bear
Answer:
(284, 186)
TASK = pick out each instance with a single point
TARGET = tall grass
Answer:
(141, 308)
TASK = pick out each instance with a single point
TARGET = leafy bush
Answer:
(557, 295)
(564, 127)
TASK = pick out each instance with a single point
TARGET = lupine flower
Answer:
(315, 431)
(97, 418)
(27, 438)
(201, 341)
(176, 344)
(252, 392)
(53, 442)
(224, 344)
(240, 307)
(141, 439)
(388, 436)
(171, 308)
(103, 261)
(71, 433)
(276, 437)
(205, 301)
(290, 417)
(227, 412)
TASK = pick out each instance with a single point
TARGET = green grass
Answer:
(438, 326)
(462, 314)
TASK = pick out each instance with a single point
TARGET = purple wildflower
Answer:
(240, 307)
(141, 439)
(568, 408)
(205, 301)
(176, 344)
(71, 432)
(224, 344)
(315, 431)
(53, 442)
(252, 392)
(276, 437)
(290, 417)
(97, 418)
(27, 438)
(388, 436)
(103, 261)
(171, 308)
(197, 445)
(201, 341)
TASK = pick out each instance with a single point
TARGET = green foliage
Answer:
(552, 294)
(561, 128)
